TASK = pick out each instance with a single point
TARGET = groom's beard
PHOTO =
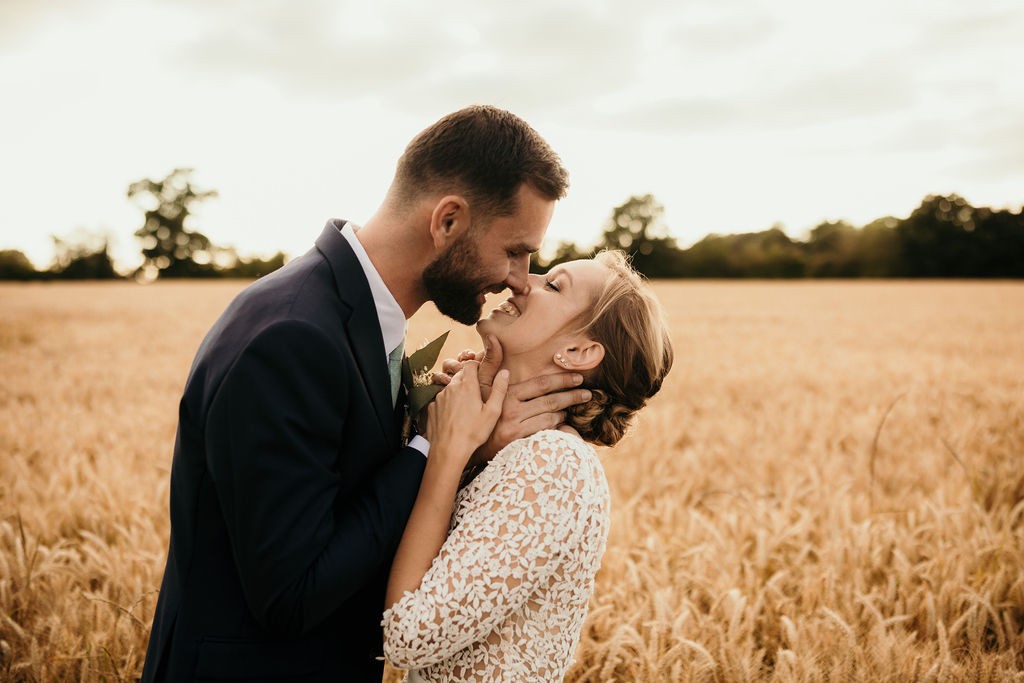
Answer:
(452, 283)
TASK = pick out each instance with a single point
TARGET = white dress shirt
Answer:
(393, 324)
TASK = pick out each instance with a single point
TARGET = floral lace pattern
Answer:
(505, 598)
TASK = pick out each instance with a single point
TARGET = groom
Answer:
(290, 486)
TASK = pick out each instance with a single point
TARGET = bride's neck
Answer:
(521, 369)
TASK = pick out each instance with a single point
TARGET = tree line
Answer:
(943, 237)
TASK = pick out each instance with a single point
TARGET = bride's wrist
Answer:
(454, 453)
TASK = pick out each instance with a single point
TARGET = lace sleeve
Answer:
(506, 542)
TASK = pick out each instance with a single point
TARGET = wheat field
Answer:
(830, 486)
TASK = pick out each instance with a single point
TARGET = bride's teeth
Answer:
(509, 309)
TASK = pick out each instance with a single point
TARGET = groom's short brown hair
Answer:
(484, 153)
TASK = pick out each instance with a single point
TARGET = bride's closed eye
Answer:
(550, 284)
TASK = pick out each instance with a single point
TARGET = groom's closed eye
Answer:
(521, 249)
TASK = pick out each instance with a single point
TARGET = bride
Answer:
(495, 569)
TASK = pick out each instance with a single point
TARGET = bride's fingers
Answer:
(441, 378)
(452, 365)
(467, 375)
(498, 390)
(491, 361)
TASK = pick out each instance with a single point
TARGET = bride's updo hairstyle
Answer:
(628, 321)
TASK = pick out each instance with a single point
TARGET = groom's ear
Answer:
(449, 219)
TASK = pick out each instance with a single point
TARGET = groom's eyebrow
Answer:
(521, 247)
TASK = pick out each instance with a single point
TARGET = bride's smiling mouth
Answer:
(508, 308)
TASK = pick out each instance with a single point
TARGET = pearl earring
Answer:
(561, 359)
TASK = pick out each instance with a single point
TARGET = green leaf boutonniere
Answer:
(419, 389)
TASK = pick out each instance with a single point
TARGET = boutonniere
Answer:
(419, 390)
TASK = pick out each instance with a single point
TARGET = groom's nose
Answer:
(518, 279)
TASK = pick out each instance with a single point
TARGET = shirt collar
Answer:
(392, 319)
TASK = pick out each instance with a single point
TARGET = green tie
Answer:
(395, 368)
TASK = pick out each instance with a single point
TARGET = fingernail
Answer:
(586, 395)
(577, 379)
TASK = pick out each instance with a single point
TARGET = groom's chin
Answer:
(466, 315)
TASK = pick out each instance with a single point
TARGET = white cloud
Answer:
(21, 20)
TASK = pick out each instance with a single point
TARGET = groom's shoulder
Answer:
(301, 292)
(303, 289)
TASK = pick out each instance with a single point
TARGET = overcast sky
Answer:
(735, 114)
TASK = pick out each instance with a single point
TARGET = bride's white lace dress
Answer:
(505, 598)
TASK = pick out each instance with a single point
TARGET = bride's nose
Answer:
(535, 281)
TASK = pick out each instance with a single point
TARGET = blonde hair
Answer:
(629, 322)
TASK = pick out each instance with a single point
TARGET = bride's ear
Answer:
(586, 355)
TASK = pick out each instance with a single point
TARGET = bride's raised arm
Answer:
(458, 421)
(506, 544)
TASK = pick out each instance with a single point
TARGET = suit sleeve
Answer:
(273, 435)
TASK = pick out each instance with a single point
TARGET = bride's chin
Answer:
(487, 326)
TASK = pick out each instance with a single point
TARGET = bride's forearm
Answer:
(427, 527)
(457, 422)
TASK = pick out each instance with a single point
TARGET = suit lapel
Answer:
(363, 327)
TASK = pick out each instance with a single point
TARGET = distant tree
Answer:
(169, 247)
(767, 254)
(636, 227)
(770, 254)
(1000, 237)
(939, 239)
(254, 267)
(14, 265)
(566, 251)
(832, 250)
(83, 256)
(878, 248)
(710, 257)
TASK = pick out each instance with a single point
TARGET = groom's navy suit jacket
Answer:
(289, 486)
